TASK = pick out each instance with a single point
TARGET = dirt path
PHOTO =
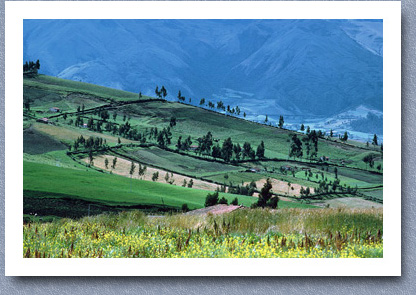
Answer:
(123, 168)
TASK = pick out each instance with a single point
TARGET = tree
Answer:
(247, 150)
(345, 137)
(216, 151)
(172, 122)
(375, 142)
(155, 176)
(302, 127)
(179, 143)
(211, 199)
(106, 163)
(132, 168)
(331, 133)
(91, 157)
(237, 151)
(142, 170)
(202, 101)
(265, 194)
(167, 177)
(336, 172)
(163, 92)
(157, 92)
(295, 147)
(281, 122)
(369, 160)
(227, 149)
(190, 183)
(266, 119)
(260, 150)
(114, 163)
(234, 202)
(184, 182)
(26, 104)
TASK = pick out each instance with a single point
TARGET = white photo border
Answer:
(389, 11)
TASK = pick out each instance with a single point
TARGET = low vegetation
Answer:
(292, 233)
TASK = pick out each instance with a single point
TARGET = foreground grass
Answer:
(256, 233)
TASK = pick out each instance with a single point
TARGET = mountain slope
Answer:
(313, 67)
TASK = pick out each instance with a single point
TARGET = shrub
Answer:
(223, 200)
(185, 208)
(211, 199)
(234, 202)
(272, 203)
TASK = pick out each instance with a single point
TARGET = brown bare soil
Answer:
(123, 168)
(68, 134)
(281, 187)
(216, 209)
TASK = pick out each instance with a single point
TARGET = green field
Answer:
(112, 189)
(181, 164)
(60, 184)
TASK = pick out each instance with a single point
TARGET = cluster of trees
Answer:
(311, 143)
(31, 67)
(204, 144)
(227, 151)
(164, 137)
(184, 145)
(230, 150)
(162, 92)
(247, 190)
(332, 187)
(189, 183)
(89, 143)
(213, 199)
(295, 150)
(141, 171)
(344, 137)
(369, 160)
(180, 96)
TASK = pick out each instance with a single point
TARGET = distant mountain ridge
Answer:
(309, 67)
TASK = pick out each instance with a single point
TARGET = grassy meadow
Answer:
(288, 233)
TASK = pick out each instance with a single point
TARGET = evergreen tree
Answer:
(281, 122)
(375, 142)
(265, 194)
(296, 147)
(132, 168)
(227, 149)
(260, 150)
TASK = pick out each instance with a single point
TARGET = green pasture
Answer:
(182, 164)
(112, 189)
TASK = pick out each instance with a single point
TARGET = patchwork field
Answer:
(60, 180)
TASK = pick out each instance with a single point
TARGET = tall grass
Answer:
(245, 233)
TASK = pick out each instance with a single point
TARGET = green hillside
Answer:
(147, 131)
